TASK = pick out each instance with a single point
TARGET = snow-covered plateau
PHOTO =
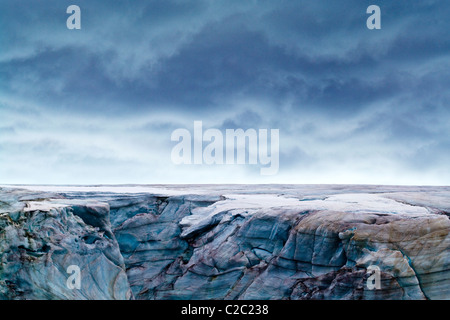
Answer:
(225, 242)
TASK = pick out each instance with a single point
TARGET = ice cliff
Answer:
(225, 242)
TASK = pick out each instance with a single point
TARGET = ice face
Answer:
(225, 241)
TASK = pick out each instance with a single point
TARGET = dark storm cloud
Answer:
(139, 69)
(224, 56)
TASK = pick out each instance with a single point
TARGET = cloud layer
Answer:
(98, 105)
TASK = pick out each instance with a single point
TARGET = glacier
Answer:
(258, 242)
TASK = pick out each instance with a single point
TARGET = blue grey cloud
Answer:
(352, 104)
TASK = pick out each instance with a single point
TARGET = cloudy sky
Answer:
(98, 105)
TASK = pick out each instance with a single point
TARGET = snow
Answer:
(356, 202)
(108, 189)
(241, 199)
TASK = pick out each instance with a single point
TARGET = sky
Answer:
(98, 105)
